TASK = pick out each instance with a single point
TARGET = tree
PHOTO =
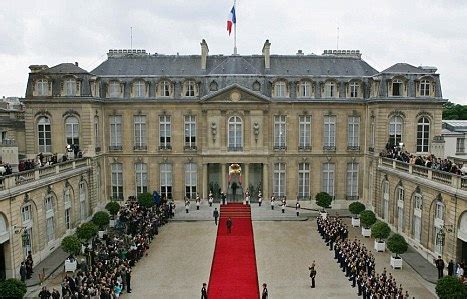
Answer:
(86, 231)
(71, 245)
(356, 208)
(323, 200)
(454, 111)
(380, 230)
(12, 288)
(450, 287)
(113, 207)
(367, 218)
(397, 244)
(146, 200)
(101, 219)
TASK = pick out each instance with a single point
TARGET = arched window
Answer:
(395, 130)
(280, 89)
(67, 207)
(425, 88)
(304, 89)
(83, 200)
(70, 87)
(423, 135)
(72, 130)
(49, 217)
(139, 89)
(4, 233)
(386, 200)
(417, 217)
(438, 225)
(44, 134)
(330, 89)
(400, 208)
(235, 134)
(27, 223)
(42, 87)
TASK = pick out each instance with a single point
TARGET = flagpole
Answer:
(235, 29)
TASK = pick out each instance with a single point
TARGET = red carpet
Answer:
(233, 270)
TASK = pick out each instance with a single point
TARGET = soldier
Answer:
(272, 202)
(283, 207)
(198, 201)
(297, 208)
(210, 199)
(204, 292)
(187, 205)
(260, 198)
(312, 274)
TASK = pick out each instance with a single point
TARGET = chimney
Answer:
(37, 68)
(266, 54)
(76, 63)
(204, 54)
(300, 53)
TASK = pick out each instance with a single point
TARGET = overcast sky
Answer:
(50, 32)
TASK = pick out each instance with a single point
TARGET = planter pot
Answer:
(355, 222)
(101, 233)
(380, 246)
(396, 263)
(323, 215)
(112, 223)
(70, 266)
(366, 232)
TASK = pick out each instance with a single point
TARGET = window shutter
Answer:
(78, 88)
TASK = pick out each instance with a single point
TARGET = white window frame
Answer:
(425, 88)
(417, 217)
(72, 130)
(280, 89)
(116, 131)
(460, 145)
(139, 123)
(329, 131)
(330, 89)
(354, 90)
(423, 129)
(166, 180)
(191, 180)
(97, 140)
(396, 129)
(117, 181)
(42, 87)
(166, 89)
(386, 195)
(235, 133)
(304, 89)
(49, 216)
(141, 178)
(190, 88)
(279, 179)
(280, 131)
(352, 180)
(353, 132)
(83, 202)
(70, 87)
(115, 89)
(372, 133)
(190, 131)
(304, 131)
(401, 86)
(26, 214)
(44, 128)
(329, 178)
(304, 180)
(165, 131)
(139, 89)
(400, 208)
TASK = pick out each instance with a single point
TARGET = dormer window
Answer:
(190, 88)
(280, 89)
(69, 87)
(330, 89)
(42, 87)
(397, 88)
(139, 89)
(304, 89)
(354, 90)
(164, 89)
(425, 86)
(115, 89)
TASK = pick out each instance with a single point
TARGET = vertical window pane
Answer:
(328, 178)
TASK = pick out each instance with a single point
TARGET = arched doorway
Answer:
(4, 241)
(462, 238)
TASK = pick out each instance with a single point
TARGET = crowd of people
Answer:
(430, 161)
(357, 262)
(105, 273)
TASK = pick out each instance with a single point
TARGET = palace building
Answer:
(295, 124)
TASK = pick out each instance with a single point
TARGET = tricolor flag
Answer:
(231, 20)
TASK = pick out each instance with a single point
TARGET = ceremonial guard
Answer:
(187, 204)
(273, 199)
(210, 199)
(260, 198)
(283, 207)
(247, 197)
(198, 201)
(297, 208)
(312, 274)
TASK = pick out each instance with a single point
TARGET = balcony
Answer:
(8, 143)
(165, 147)
(140, 147)
(329, 148)
(115, 148)
(304, 148)
(235, 148)
(280, 147)
(353, 148)
(190, 148)
(351, 197)
(438, 176)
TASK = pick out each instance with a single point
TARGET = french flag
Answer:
(231, 20)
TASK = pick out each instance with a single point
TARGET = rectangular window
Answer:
(139, 89)
(97, 141)
(353, 133)
(354, 90)
(190, 132)
(165, 132)
(70, 87)
(191, 180)
(439, 212)
(329, 132)
(190, 89)
(304, 180)
(352, 181)
(328, 178)
(279, 131)
(115, 89)
(83, 206)
(304, 89)
(165, 85)
(72, 130)
(372, 134)
(279, 179)
(67, 218)
(50, 229)
(304, 132)
(26, 214)
(117, 181)
(140, 132)
(279, 89)
(141, 171)
(116, 132)
(166, 180)
(330, 90)
(460, 145)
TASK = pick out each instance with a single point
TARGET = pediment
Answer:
(235, 94)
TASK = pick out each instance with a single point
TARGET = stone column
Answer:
(246, 167)
(205, 180)
(265, 189)
(224, 177)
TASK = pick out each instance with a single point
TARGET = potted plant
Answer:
(397, 245)
(86, 231)
(12, 288)
(101, 219)
(367, 219)
(356, 208)
(113, 207)
(323, 200)
(380, 231)
(145, 200)
(71, 245)
(449, 287)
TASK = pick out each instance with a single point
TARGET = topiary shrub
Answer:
(367, 218)
(323, 200)
(86, 231)
(71, 245)
(356, 208)
(397, 244)
(450, 287)
(146, 200)
(380, 230)
(12, 288)
(113, 207)
(101, 219)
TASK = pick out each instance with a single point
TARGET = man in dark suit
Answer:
(229, 225)
(440, 266)
(215, 214)
(204, 292)
(312, 274)
(264, 294)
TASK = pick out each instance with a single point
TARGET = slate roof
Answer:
(405, 68)
(65, 68)
(190, 65)
(455, 125)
